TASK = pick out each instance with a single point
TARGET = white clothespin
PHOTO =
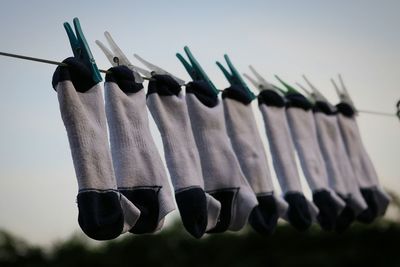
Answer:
(157, 70)
(315, 94)
(344, 94)
(262, 84)
(309, 94)
(117, 57)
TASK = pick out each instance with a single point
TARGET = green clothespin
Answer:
(234, 78)
(290, 89)
(81, 49)
(194, 69)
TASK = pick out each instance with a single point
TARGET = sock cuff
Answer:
(163, 85)
(124, 78)
(203, 92)
(76, 72)
(270, 98)
(238, 93)
(323, 107)
(296, 100)
(345, 109)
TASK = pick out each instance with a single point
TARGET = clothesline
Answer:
(371, 112)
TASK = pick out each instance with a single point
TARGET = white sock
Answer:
(199, 211)
(103, 212)
(222, 175)
(139, 170)
(302, 127)
(376, 198)
(340, 173)
(249, 149)
(301, 212)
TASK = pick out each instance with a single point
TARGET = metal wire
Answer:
(47, 61)
(146, 78)
(377, 113)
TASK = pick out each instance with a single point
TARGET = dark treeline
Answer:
(374, 245)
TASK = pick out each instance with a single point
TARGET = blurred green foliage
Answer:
(373, 245)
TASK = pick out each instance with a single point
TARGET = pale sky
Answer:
(359, 39)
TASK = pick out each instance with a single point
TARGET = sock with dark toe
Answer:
(264, 217)
(223, 178)
(139, 170)
(367, 178)
(249, 149)
(304, 135)
(103, 212)
(199, 210)
(377, 201)
(301, 211)
(340, 173)
(347, 216)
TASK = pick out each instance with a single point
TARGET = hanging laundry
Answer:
(249, 149)
(139, 170)
(301, 212)
(223, 178)
(199, 210)
(103, 212)
(304, 135)
(377, 199)
(340, 172)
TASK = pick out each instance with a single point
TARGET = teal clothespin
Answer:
(289, 88)
(234, 78)
(194, 69)
(81, 49)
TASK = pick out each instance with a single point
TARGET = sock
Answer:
(223, 178)
(302, 127)
(340, 173)
(139, 170)
(376, 198)
(249, 149)
(103, 212)
(199, 211)
(301, 212)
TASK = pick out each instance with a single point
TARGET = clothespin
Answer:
(315, 93)
(157, 70)
(289, 88)
(344, 94)
(234, 78)
(310, 95)
(81, 49)
(194, 69)
(117, 57)
(262, 84)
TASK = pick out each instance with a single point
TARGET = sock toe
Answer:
(371, 213)
(100, 214)
(298, 213)
(264, 217)
(146, 200)
(192, 205)
(346, 217)
(328, 209)
(226, 198)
